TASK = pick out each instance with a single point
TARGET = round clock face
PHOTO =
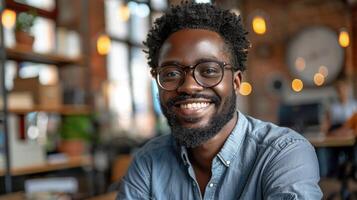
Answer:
(315, 50)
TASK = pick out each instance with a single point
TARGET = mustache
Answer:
(181, 97)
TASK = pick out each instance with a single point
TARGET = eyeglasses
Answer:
(206, 73)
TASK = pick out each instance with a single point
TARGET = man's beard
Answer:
(193, 137)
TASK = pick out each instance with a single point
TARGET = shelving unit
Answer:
(63, 110)
(71, 162)
(20, 54)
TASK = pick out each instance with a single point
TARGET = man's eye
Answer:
(209, 71)
(171, 75)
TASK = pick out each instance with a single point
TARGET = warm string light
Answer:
(319, 79)
(297, 85)
(259, 25)
(245, 89)
(344, 39)
(103, 45)
(8, 18)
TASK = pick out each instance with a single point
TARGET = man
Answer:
(197, 54)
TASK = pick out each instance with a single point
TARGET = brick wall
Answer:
(267, 55)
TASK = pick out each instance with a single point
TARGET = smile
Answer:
(194, 106)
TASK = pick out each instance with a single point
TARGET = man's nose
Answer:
(189, 85)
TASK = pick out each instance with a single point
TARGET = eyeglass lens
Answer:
(207, 74)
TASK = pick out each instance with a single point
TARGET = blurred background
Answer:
(77, 98)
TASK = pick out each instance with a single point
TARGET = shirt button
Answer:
(228, 162)
(211, 185)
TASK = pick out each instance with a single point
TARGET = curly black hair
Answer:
(203, 16)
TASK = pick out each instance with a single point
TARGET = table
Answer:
(341, 139)
(322, 140)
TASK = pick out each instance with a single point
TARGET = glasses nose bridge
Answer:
(188, 78)
(188, 68)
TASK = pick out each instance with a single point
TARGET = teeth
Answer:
(194, 106)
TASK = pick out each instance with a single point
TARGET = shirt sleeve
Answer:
(136, 183)
(293, 173)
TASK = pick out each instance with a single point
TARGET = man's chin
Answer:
(190, 137)
(193, 123)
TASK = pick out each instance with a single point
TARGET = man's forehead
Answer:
(192, 43)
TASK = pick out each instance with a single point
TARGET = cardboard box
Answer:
(50, 96)
(47, 96)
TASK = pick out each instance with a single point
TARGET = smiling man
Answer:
(197, 54)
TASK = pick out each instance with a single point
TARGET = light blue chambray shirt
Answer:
(259, 160)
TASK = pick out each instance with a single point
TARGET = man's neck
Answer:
(203, 155)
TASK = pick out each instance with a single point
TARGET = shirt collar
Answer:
(230, 147)
(234, 141)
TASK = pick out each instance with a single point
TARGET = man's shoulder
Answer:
(272, 135)
(156, 145)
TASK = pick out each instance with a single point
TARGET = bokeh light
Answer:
(297, 85)
(319, 79)
(245, 88)
(300, 64)
(259, 25)
(344, 38)
(323, 70)
(103, 45)
(8, 18)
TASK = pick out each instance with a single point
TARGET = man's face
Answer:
(195, 113)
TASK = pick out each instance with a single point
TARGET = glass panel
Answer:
(155, 15)
(9, 37)
(159, 4)
(68, 43)
(10, 74)
(116, 18)
(144, 117)
(43, 4)
(140, 13)
(48, 74)
(120, 100)
(44, 32)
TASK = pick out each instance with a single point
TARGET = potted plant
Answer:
(76, 131)
(24, 23)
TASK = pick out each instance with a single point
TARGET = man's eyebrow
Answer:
(175, 62)
(170, 62)
(208, 59)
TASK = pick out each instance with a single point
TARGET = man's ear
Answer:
(237, 78)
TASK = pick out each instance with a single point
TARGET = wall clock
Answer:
(313, 50)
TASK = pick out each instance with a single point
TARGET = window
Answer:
(130, 96)
(48, 5)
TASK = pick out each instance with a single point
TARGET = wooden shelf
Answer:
(72, 162)
(64, 110)
(20, 7)
(21, 54)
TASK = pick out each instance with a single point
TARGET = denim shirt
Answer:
(259, 160)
